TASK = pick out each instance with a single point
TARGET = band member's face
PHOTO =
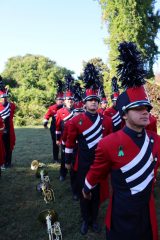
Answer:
(59, 101)
(103, 105)
(92, 105)
(137, 118)
(114, 103)
(3, 100)
(69, 103)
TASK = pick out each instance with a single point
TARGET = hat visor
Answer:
(137, 104)
(69, 98)
(89, 98)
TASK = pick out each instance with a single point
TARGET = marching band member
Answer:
(87, 129)
(7, 110)
(103, 103)
(63, 115)
(132, 161)
(51, 113)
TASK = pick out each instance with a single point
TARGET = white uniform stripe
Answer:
(116, 115)
(58, 132)
(140, 187)
(68, 117)
(5, 109)
(92, 144)
(6, 112)
(92, 127)
(138, 158)
(68, 150)
(5, 116)
(116, 119)
(95, 133)
(141, 171)
(116, 123)
(88, 184)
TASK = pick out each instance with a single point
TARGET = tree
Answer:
(135, 21)
(32, 83)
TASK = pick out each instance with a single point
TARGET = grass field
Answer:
(20, 203)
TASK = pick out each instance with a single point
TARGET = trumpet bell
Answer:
(48, 212)
(34, 164)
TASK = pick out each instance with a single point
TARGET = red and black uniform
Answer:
(73, 170)
(51, 113)
(115, 116)
(63, 115)
(133, 164)
(87, 129)
(7, 113)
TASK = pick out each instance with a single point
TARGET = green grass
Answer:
(20, 203)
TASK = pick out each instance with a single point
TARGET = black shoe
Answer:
(61, 178)
(75, 197)
(96, 228)
(84, 228)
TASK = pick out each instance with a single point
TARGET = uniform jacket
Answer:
(51, 113)
(115, 116)
(63, 115)
(133, 161)
(7, 112)
(88, 133)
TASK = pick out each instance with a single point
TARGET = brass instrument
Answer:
(45, 188)
(50, 218)
(41, 173)
(35, 164)
(48, 194)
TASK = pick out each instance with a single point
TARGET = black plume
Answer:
(114, 85)
(59, 86)
(131, 68)
(102, 93)
(69, 81)
(2, 85)
(91, 77)
(77, 92)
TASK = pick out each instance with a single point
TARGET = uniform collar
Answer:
(133, 133)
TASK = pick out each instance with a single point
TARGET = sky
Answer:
(65, 31)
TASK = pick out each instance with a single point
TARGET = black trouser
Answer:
(73, 180)
(90, 208)
(63, 169)
(8, 152)
(55, 147)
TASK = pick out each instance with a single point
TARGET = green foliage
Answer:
(131, 20)
(32, 83)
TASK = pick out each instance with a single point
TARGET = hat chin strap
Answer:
(136, 104)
